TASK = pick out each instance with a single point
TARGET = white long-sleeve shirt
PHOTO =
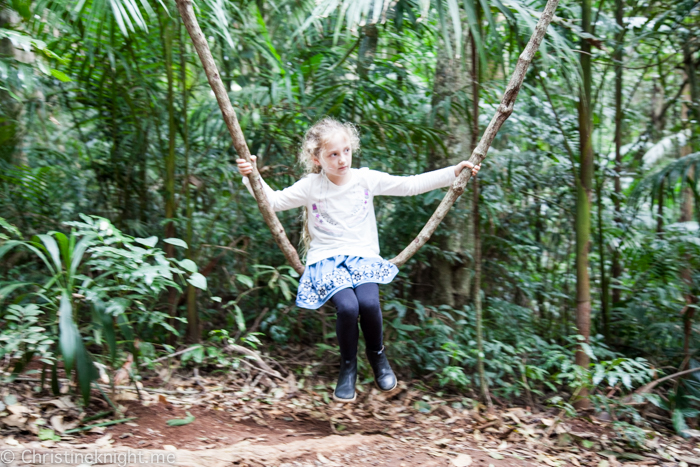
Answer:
(341, 219)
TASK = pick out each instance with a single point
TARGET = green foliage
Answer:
(23, 339)
(633, 435)
(629, 372)
(99, 291)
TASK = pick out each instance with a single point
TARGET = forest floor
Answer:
(259, 422)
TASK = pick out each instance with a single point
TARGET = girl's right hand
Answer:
(245, 168)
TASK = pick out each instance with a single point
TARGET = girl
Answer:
(340, 235)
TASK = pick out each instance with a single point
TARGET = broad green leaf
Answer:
(176, 242)
(188, 265)
(7, 246)
(8, 289)
(285, 290)
(198, 281)
(61, 76)
(64, 247)
(679, 422)
(10, 228)
(150, 241)
(106, 322)
(238, 315)
(69, 338)
(79, 251)
(245, 280)
(52, 247)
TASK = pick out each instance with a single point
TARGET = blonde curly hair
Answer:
(314, 141)
(318, 135)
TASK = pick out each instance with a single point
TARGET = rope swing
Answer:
(505, 109)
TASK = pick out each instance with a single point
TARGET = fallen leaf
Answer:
(322, 458)
(14, 420)
(11, 441)
(181, 421)
(104, 441)
(561, 429)
(125, 396)
(462, 460)
(18, 409)
(57, 423)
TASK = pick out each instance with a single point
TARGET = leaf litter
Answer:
(217, 420)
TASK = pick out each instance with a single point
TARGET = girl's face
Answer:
(336, 157)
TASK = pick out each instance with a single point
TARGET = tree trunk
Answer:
(9, 107)
(693, 104)
(543, 322)
(450, 279)
(583, 202)
(660, 210)
(476, 81)
(167, 33)
(193, 332)
(604, 289)
(617, 198)
(689, 117)
(368, 49)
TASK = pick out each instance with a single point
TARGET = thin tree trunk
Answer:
(617, 198)
(9, 125)
(539, 295)
(689, 117)
(583, 203)
(483, 383)
(166, 27)
(450, 281)
(193, 332)
(660, 210)
(368, 49)
(604, 285)
(694, 97)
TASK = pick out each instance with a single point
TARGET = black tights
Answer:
(362, 301)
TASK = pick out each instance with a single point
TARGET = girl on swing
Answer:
(340, 233)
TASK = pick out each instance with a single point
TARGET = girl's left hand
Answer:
(459, 167)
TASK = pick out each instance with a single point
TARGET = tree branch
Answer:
(229, 114)
(479, 154)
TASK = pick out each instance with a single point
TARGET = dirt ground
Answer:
(214, 429)
(284, 422)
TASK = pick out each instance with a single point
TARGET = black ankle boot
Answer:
(345, 389)
(384, 377)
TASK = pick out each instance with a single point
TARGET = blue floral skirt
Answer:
(323, 279)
